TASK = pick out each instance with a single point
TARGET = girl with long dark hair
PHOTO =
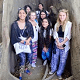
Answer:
(45, 40)
(19, 30)
(43, 15)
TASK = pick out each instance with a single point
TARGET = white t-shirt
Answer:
(36, 29)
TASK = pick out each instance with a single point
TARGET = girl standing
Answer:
(21, 29)
(27, 9)
(32, 18)
(62, 36)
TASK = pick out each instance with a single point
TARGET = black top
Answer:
(60, 32)
(16, 31)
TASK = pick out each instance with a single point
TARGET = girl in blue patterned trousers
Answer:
(62, 36)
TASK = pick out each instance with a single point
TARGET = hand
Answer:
(27, 42)
(45, 49)
(22, 41)
(51, 6)
(60, 45)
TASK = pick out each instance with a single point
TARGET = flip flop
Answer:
(20, 78)
(28, 72)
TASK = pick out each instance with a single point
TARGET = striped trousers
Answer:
(34, 51)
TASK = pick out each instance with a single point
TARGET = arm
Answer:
(30, 30)
(68, 35)
(60, 44)
(14, 34)
(55, 34)
(30, 33)
(28, 41)
(69, 31)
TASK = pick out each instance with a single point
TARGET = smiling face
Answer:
(45, 23)
(43, 15)
(22, 14)
(32, 16)
(62, 16)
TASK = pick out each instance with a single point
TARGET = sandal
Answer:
(28, 72)
(20, 78)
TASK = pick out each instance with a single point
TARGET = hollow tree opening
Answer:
(9, 15)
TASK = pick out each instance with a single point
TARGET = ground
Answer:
(37, 72)
(40, 72)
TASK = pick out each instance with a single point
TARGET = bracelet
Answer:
(24, 42)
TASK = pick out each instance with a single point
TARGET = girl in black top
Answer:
(43, 15)
(17, 28)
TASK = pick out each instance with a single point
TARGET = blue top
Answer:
(60, 33)
(16, 31)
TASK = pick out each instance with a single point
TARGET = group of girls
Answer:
(28, 25)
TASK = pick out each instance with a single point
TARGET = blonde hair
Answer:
(64, 22)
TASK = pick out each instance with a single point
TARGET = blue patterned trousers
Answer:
(59, 58)
(22, 57)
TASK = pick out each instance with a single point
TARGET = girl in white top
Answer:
(45, 40)
(62, 36)
(32, 17)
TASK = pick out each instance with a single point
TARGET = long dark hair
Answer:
(45, 41)
(42, 6)
(43, 12)
(27, 6)
(40, 19)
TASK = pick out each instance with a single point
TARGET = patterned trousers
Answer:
(29, 55)
(22, 57)
(34, 51)
(59, 58)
